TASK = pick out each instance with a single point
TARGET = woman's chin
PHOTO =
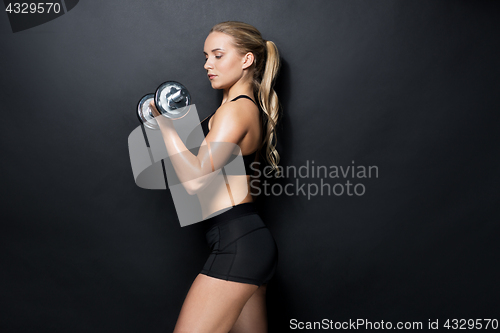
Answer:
(218, 85)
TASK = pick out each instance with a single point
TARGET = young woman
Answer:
(229, 293)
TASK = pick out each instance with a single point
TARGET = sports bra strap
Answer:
(244, 96)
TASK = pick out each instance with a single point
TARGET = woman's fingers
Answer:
(162, 121)
(153, 109)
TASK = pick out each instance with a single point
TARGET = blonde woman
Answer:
(229, 293)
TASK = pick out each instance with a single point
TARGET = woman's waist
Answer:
(228, 214)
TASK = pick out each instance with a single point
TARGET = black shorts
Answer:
(242, 247)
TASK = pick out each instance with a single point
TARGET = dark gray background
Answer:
(411, 87)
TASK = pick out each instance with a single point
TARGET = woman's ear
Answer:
(248, 60)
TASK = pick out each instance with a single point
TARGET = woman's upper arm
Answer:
(230, 125)
(228, 129)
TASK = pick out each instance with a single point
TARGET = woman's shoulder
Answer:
(240, 112)
(242, 107)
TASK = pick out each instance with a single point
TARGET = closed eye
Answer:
(217, 57)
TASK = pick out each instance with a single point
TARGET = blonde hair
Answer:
(246, 38)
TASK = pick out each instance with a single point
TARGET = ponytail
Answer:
(270, 105)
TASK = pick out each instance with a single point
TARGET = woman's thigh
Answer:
(213, 305)
(253, 317)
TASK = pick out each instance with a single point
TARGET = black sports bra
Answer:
(247, 159)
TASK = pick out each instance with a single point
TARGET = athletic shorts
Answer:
(242, 247)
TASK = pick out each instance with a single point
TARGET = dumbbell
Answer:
(171, 99)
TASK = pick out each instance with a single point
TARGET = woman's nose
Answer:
(208, 64)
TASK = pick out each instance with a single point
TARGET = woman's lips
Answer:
(211, 76)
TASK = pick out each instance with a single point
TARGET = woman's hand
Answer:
(161, 120)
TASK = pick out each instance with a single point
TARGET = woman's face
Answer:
(224, 64)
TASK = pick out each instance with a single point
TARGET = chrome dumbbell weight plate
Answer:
(171, 99)
(145, 113)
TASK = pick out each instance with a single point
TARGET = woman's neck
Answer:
(239, 88)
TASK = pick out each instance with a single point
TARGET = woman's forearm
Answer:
(186, 165)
